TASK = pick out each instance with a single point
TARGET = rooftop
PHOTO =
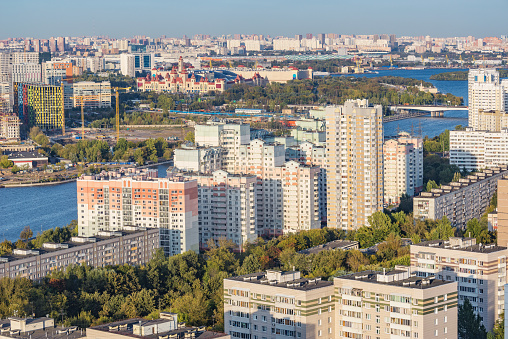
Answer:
(126, 328)
(13, 155)
(397, 277)
(282, 279)
(463, 182)
(462, 244)
(19, 254)
(332, 245)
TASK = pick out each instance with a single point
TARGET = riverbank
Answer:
(33, 184)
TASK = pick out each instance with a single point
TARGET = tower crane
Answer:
(82, 99)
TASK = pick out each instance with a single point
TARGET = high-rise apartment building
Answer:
(395, 304)
(475, 150)
(198, 159)
(354, 142)
(364, 305)
(276, 304)
(487, 92)
(287, 192)
(127, 65)
(136, 62)
(492, 120)
(9, 127)
(113, 200)
(502, 212)
(479, 270)
(227, 136)
(460, 201)
(227, 207)
(403, 167)
(39, 105)
(96, 94)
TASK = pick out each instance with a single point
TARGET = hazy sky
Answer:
(125, 18)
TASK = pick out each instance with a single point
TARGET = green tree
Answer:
(498, 330)
(476, 230)
(189, 136)
(430, 185)
(15, 169)
(5, 162)
(26, 233)
(469, 323)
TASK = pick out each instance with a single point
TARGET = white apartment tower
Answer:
(227, 136)
(227, 207)
(354, 141)
(486, 92)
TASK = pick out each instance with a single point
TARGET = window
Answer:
(319, 333)
(319, 322)
(436, 321)
(445, 330)
(445, 319)
(445, 297)
(436, 310)
(436, 333)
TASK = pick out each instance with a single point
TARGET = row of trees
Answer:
(100, 151)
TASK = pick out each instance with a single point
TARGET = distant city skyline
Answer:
(125, 18)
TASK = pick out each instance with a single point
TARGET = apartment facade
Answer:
(475, 150)
(39, 105)
(485, 91)
(492, 120)
(199, 159)
(9, 127)
(394, 304)
(287, 192)
(364, 305)
(131, 245)
(354, 142)
(460, 201)
(500, 219)
(403, 167)
(227, 207)
(113, 200)
(278, 304)
(228, 136)
(478, 269)
(99, 94)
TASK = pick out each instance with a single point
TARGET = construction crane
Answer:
(117, 97)
(82, 99)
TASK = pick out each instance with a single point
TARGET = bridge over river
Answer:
(434, 110)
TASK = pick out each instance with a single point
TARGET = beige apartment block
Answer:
(111, 200)
(395, 304)
(276, 304)
(354, 142)
(199, 159)
(9, 126)
(95, 94)
(478, 269)
(460, 201)
(403, 167)
(502, 212)
(492, 120)
(227, 207)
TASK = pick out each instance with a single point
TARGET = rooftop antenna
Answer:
(412, 129)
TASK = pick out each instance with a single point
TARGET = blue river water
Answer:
(429, 126)
(45, 207)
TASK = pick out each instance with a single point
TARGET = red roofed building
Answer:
(180, 80)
